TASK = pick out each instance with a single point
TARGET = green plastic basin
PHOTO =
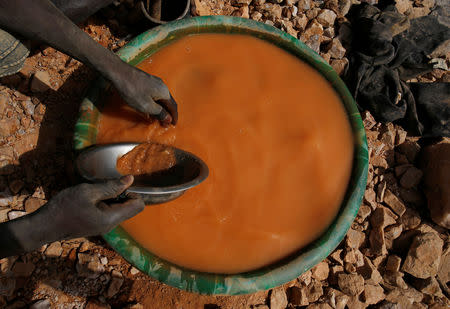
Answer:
(268, 277)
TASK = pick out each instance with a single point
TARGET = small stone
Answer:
(363, 213)
(368, 120)
(369, 272)
(410, 219)
(424, 256)
(355, 303)
(388, 134)
(344, 7)
(428, 286)
(314, 43)
(28, 107)
(359, 258)
(325, 57)
(300, 22)
(85, 246)
(40, 82)
(304, 5)
(349, 268)
(326, 18)
(329, 32)
(320, 271)
(403, 6)
(351, 284)
(349, 256)
(14, 214)
(21, 269)
(382, 217)
(134, 271)
(289, 28)
(354, 238)
(305, 278)
(32, 204)
(4, 215)
(336, 50)
(54, 249)
(241, 12)
(115, 284)
(298, 296)
(371, 197)
(436, 166)
(315, 290)
(377, 241)
(419, 12)
(312, 14)
(104, 260)
(340, 66)
(336, 256)
(41, 304)
(334, 273)
(393, 263)
(391, 233)
(336, 299)
(410, 149)
(405, 297)
(400, 135)
(256, 16)
(89, 266)
(278, 299)
(274, 11)
(394, 279)
(373, 294)
(314, 28)
(411, 178)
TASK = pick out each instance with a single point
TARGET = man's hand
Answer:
(147, 94)
(80, 211)
(92, 209)
(41, 20)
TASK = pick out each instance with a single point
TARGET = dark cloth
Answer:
(387, 50)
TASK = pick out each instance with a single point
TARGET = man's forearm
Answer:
(41, 20)
(25, 234)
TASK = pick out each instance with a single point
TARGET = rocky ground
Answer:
(396, 255)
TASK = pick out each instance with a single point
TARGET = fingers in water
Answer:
(171, 106)
(165, 118)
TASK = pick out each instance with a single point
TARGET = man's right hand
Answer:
(147, 94)
(41, 20)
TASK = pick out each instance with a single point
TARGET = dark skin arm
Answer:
(80, 211)
(41, 20)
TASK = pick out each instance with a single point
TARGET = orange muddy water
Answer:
(275, 137)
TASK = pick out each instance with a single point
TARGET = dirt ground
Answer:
(374, 266)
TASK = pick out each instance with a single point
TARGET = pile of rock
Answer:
(313, 22)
